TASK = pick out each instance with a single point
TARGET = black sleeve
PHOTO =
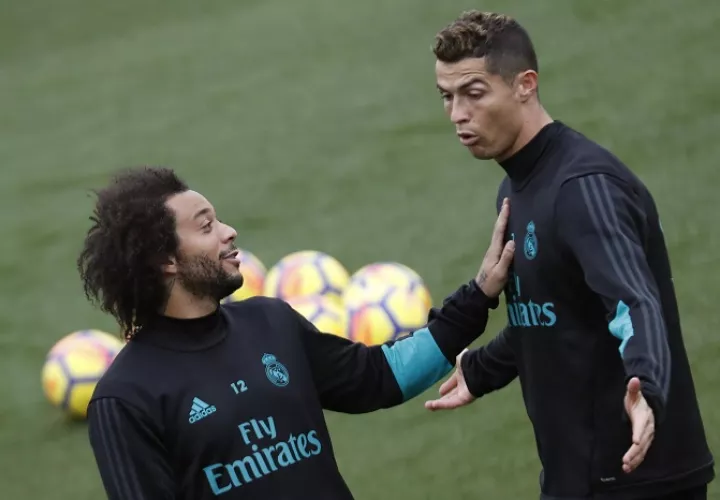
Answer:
(490, 367)
(602, 223)
(130, 457)
(355, 378)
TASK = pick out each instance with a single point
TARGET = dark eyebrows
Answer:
(200, 213)
(466, 84)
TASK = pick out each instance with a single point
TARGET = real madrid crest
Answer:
(275, 371)
(531, 243)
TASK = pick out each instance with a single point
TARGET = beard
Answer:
(206, 278)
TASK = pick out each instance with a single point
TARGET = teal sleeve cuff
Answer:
(416, 362)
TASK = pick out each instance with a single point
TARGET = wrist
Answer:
(461, 320)
(481, 281)
(481, 286)
(467, 367)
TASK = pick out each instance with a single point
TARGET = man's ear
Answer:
(526, 85)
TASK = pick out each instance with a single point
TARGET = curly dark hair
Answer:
(499, 38)
(132, 234)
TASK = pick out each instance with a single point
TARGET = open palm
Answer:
(454, 391)
(643, 425)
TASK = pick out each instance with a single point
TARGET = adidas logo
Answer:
(200, 409)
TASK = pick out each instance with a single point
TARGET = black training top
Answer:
(591, 303)
(232, 404)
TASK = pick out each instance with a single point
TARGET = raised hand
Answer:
(493, 273)
(643, 425)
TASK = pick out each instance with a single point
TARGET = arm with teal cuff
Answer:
(352, 377)
(602, 223)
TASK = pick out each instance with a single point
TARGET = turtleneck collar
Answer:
(521, 165)
(183, 334)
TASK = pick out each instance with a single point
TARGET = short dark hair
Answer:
(132, 235)
(500, 39)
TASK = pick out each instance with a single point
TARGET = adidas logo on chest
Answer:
(200, 409)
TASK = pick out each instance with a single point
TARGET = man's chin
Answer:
(229, 286)
(480, 153)
(236, 282)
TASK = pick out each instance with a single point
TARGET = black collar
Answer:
(521, 165)
(184, 334)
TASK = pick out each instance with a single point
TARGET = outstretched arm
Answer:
(352, 377)
(604, 226)
(355, 378)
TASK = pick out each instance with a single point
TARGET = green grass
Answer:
(297, 119)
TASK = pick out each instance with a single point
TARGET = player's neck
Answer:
(534, 120)
(184, 305)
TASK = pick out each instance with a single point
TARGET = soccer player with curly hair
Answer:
(208, 399)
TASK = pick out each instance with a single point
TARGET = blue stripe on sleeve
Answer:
(417, 363)
(621, 326)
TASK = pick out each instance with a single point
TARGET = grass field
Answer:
(298, 119)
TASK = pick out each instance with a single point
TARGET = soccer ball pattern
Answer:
(371, 276)
(74, 366)
(307, 273)
(385, 312)
(325, 314)
(90, 339)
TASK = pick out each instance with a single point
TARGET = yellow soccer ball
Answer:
(72, 370)
(385, 312)
(88, 339)
(381, 274)
(307, 273)
(326, 314)
(254, 272)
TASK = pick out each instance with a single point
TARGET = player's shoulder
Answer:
(260, 313)
(583, 156)
(129, 375)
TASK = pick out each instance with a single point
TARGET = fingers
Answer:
(500, 226)
(632, 459)
(507, 256)
(448, 402)
(449, 384)
(643, 426)
(633, 397)
(636, 454)
(633, 386)
(639, 424)
(643, 435)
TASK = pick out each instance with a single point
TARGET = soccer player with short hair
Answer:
(208, 399)
(593, 325)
